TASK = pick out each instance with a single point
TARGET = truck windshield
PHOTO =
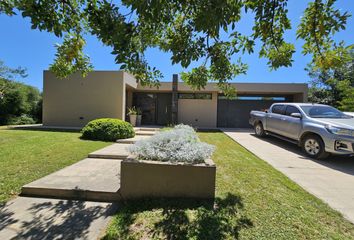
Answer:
(323, 112)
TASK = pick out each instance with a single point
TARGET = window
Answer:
(207, 96)
(186, 96)
(253, 98)
(223, 97)
(316, 111)
(290, 110)
(278, 109)
(203, 96)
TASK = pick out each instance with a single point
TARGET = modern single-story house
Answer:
(75, 101)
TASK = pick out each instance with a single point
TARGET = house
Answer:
(75, 101)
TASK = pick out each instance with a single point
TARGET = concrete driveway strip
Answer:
(331, 180)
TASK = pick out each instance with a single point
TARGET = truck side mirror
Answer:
(296, 115)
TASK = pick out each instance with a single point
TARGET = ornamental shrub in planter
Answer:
(180, 144)
(172, 163)
(107, 129)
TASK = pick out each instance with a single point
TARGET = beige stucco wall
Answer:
(198, 112)
(298, 89)
(100, 94)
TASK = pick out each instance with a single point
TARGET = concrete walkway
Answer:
(331, 180)
(90, 179)
(114, 151)
(43, 218)
(40, 214)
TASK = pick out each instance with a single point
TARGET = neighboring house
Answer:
(76, 100)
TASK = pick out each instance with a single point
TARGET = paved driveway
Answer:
(331, 180)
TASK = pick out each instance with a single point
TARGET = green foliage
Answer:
(191, 31)
(23, 119)
(333, 87)
(19, 103)
(6, 6)
(107, 129)
(70, 58)
(11, 73)
(134, 111)
(271, 22)
(347, 101)
(318, 25)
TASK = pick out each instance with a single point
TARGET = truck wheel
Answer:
(259, 130)
(314, 147)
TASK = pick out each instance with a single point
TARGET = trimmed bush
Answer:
(179, 144)
(107, 129)
(23, 119)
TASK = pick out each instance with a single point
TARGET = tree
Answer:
(190, 30)
(19, 103)
(333, 87)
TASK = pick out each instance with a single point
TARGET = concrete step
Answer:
(91, 179)
(147, 129)
(114, 151)
(132, 140)
(145, 133)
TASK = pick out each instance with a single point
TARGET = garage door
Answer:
(235, 113)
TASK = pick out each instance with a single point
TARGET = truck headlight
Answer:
(339, 131)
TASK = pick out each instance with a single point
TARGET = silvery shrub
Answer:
(180, 144)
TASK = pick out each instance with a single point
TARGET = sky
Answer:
(22, 46)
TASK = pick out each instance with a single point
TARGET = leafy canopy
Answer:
(333, 87)
(19, 103)
(191, 30)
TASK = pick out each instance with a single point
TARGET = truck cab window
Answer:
(278, 109)
(290, 110)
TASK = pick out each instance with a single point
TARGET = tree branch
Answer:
(314, 24)
(272, 26)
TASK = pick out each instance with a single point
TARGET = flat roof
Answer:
(255, 88)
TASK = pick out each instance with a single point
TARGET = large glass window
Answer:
(207, 96)
(254, 98)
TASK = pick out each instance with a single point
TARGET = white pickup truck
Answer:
(318, 129)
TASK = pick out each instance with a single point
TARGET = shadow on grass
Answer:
(184, 219)
(42, 129)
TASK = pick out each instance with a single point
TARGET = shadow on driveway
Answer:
(344, 164)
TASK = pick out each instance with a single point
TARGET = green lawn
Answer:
(28, 155)
(254, 201)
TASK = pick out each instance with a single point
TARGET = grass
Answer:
(254, 201)
(28, 155)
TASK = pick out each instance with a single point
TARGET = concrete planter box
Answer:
(162, 179)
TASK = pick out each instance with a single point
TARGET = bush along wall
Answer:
(107, 129)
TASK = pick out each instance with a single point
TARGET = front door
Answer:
(164, 105)
(146, 102)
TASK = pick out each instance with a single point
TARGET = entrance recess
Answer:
(155, 107)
